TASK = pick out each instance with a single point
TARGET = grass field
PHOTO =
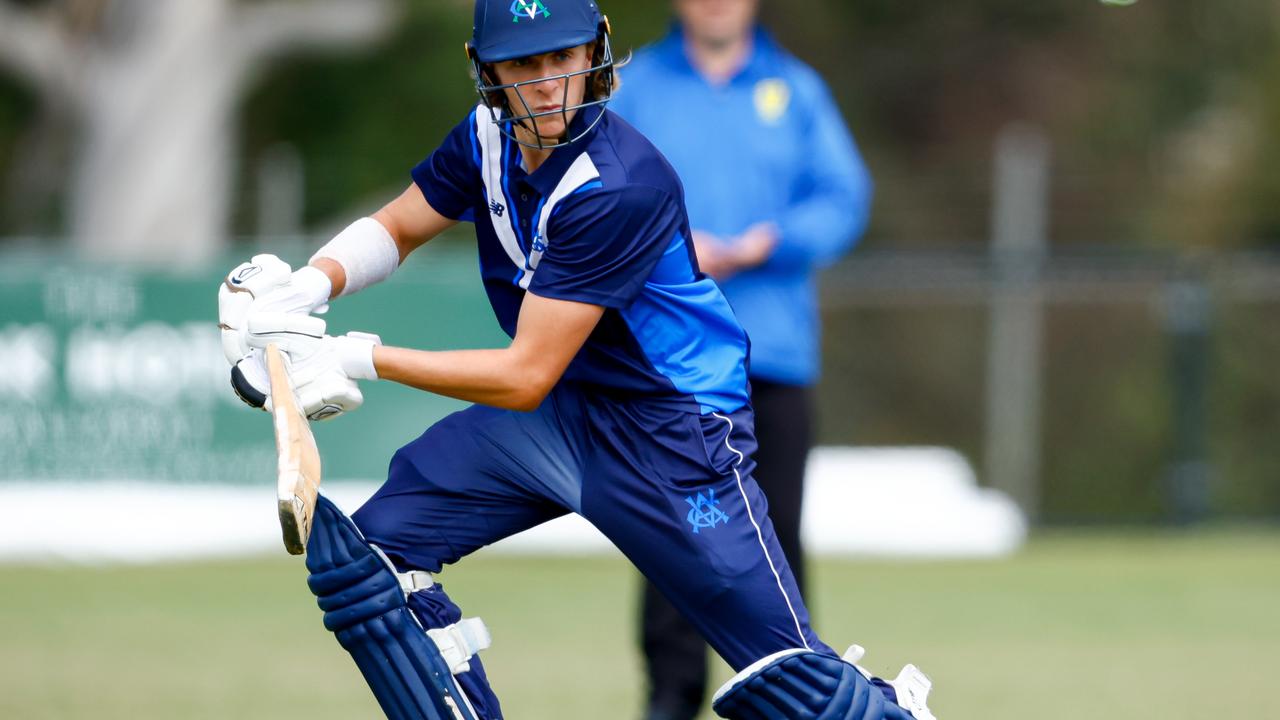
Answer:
(1078, 625)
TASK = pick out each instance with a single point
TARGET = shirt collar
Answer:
(550, 172)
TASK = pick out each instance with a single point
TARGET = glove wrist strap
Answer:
(313, 285)
(356, 356)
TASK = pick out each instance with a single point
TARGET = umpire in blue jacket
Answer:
(776, 190)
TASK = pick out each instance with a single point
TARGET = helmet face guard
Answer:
(507, 118)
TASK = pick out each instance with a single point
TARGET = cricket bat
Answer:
(298, 459)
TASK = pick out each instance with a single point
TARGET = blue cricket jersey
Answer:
(601, 221)
(767, 146)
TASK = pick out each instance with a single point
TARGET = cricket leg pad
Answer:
(800, 684)
(364, 606)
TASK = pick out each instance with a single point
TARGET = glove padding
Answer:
(323, 368)
(265, 284)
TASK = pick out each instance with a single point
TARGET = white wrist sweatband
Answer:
(366, 251)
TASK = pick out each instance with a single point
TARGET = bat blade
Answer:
(298, 458)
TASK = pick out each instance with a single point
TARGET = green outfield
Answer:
(1078, 625)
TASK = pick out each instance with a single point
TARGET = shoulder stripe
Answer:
(511, 155)
(579, 174)
(490, 141)
(588, 186)
(475, 148)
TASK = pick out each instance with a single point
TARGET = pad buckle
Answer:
(459, 642)
(415, 580)
(853, 655)
(411, 581)
(912, 687)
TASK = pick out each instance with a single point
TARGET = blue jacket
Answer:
(769, 146)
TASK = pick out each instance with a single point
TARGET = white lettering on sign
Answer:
(155, 362)
(26, 362)
(98, 296)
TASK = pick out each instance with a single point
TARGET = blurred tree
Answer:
(1162, 116)
(360, 124)
(150, 88)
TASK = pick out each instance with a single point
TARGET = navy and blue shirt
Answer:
(601, 221)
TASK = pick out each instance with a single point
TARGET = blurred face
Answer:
(545, 93)
(717, 22)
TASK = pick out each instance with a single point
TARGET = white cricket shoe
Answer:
(912, 686)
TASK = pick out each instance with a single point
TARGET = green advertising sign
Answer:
(110, 373)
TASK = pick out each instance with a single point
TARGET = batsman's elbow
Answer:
(530, 399)
(536, 384)
(526, 403)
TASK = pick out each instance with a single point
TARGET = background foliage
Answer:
(1161, 117)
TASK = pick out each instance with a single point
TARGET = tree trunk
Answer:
(155, 89)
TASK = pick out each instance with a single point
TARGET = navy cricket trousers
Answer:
(670, 488)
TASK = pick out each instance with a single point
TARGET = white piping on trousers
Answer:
(760, 533)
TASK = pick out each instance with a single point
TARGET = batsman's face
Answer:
(542, 91)
(717, 22)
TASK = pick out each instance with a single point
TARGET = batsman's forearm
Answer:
(489, 377)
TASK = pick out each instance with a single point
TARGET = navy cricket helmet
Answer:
(511, 29)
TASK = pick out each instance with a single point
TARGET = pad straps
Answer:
(411, 581)
(458, 642)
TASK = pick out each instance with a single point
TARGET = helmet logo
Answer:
(521, 9)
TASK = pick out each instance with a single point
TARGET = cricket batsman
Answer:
(622, 396)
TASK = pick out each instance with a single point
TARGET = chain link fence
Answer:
(1158, 397)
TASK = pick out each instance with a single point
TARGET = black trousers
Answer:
(675, 655)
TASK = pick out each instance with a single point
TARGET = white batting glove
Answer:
(311, 352)
(323, 398)
(250, 381)
(244, 284)
(323, 367)
(265, 284)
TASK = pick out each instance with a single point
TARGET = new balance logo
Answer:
(497, 208)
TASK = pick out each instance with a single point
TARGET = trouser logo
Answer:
(704, 511)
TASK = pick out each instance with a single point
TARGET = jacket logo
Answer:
(772, 98)
(704, 511)
(497, 208)
(521, 9)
